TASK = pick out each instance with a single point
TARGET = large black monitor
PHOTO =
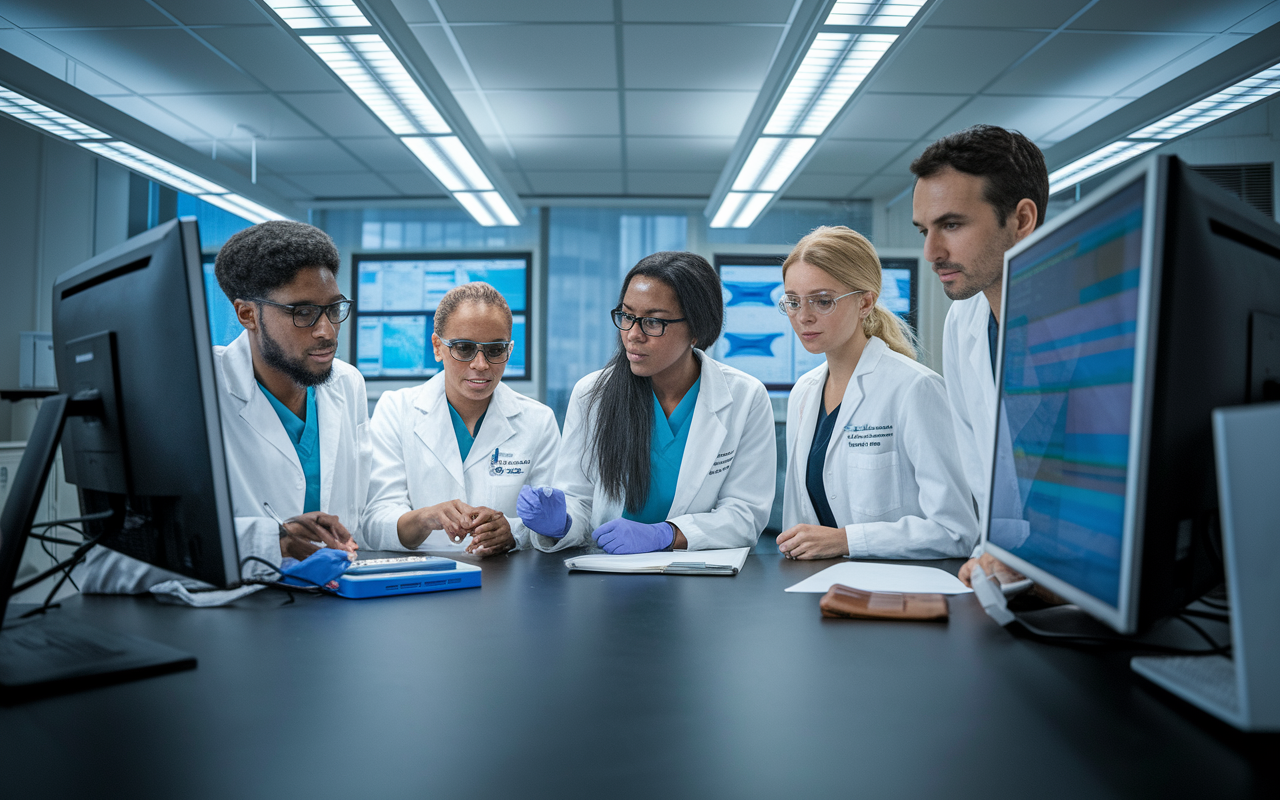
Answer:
(140, 432)
(1124, 323)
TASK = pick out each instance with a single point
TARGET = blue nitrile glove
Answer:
(627, 536)
(542, 510)
(317, 569)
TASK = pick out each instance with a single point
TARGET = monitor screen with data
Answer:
(396, 300)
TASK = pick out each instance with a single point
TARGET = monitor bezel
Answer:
(1123, 616)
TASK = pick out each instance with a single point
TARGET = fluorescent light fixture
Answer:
(477, 208)
(241, 207)
(1245, 93)
(834, 67)
(499, 208)
(306, 14)
(368, 67)
(157, 169)
(45, 118)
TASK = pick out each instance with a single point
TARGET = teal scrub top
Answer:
(465, 437)
(666, 451)
(305, 435)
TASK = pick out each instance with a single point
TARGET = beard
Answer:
(295, 368)
(983, 272)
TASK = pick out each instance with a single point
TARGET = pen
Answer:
(271, 512)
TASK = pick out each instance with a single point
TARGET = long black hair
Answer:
(623, 401)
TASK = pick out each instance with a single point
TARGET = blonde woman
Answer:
(872, 465)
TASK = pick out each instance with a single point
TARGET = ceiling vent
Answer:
(1252, 183)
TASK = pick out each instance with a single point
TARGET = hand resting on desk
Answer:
(813, 541)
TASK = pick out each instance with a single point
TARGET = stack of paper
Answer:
(870, 577)
(676, 562)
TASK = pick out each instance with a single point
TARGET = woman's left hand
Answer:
(813, 541)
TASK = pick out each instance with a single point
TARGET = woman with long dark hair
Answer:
(664, 448)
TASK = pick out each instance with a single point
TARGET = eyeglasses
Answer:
(652, 326)
(465, 350)
(306, 315)
(821, 303)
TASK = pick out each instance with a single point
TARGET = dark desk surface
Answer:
(557, 684)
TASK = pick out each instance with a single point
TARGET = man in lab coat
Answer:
(978, 193)
(294, 418)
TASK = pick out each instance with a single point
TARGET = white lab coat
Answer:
(724, 492)
(263, 466)
(971, 388)
(892, 473)
(416, 461)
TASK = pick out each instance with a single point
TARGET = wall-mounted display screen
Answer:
(758, 339)
(224, 327)
(396, 299)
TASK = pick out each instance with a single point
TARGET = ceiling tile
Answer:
(203, 12)
(438, 48)
(301, 156)
(89, 81)
(336, 113)
(1092, 64)
(162, 120)
(35, 52)
(823, 187)
(273, 57)
(576, 183)
(693, 153)
(882, 187)
(697, 56)
(705, 11)
(687, 113)
(672, 184)
(283, 187)
(554, 113)
(382, 154)
(541, 56)
(415, 11)
(848, 157)
(1004, 14)
(344, 184)
(895, 116)
(415, 184)
(518, 182)
(951, 61)
(168, 61)
(1168, 15)
(526, 11)
(542, 154)
(1178, 66)
(1081, 121)
(501, 156)
(80, 13)
(476, 112)
(220, 113)
(1032, 116)
(1256, 23)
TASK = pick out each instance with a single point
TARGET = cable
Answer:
(1195, 612)
(1054, 637)
(314, 588)
(71, 562)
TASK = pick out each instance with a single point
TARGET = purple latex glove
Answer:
(542, 510)
(318, 569)
(628, 536)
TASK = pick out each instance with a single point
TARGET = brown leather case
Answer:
(845, 603)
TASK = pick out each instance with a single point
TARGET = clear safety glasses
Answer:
(822, 302)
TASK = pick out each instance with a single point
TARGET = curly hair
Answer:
(261, 259)
(1013, 166)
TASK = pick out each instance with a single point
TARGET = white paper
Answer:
(655, 562)
(871, 577)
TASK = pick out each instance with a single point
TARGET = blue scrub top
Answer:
(817, 487)
(465, 437)
(666, 451)
(305, 435)
(993, 333)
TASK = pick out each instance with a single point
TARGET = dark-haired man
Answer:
(978, 192)
(294, 418)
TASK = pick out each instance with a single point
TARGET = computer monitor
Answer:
(395, 304)
(1124, 323)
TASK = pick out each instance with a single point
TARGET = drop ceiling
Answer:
(613, 98)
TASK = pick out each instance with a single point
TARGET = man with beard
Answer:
(294, 418)
(978, 193)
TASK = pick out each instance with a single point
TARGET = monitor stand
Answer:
(53, 653)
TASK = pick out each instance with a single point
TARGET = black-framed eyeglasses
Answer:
(652, 326)
(306, 315)
(465, 350)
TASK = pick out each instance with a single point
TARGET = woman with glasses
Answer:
(664, 448)
(451, 455)
(872, 465)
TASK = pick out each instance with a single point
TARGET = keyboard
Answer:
(401, 564)
(1207, 681)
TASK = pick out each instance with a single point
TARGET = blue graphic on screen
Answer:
(224, 327)
(742, 293)
(1062, 447)
(750, 344)
(895, 290)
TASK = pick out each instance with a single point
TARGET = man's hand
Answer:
(491, 534)
(990, 566)
(304, 534)
(454, 517)
(813, 541)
